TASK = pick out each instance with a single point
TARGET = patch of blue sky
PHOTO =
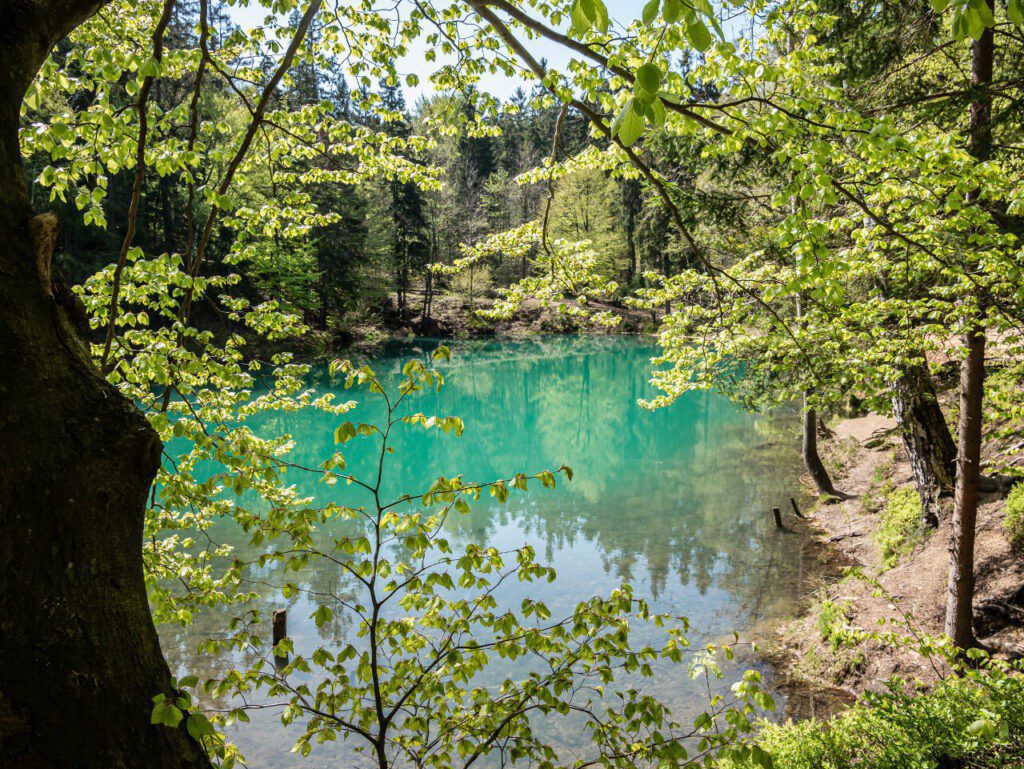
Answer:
(621, 12)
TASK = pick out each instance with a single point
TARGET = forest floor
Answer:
(868, 462)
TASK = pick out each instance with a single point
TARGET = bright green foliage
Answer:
(415, 681)
(854, 247)
(249, 150)
(899, 531)
(975, 720)
(1013, 521)
(834, 622)
(972, 716)
(862, 236)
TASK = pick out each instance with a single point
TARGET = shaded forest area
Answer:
(367, 261)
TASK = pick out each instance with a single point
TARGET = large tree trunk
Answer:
(926, 438)
(960, 589)
(79, 656)
(812, 460)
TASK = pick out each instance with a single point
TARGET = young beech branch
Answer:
(236, 161)
(140, 173)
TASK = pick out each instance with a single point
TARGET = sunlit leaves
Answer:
(1015, 11)
(970, 18)
(166, 712)
(629, 124)
(650, 12)
(587, 14)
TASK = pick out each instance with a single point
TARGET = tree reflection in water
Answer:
(675, 501)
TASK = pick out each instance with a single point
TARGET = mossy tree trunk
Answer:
(926, 438)
(79, 656)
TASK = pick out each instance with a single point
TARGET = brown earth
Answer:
(863, 455)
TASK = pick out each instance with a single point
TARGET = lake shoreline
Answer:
(454, 317)
(866, 456)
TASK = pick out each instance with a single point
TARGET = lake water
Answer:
(674, 501)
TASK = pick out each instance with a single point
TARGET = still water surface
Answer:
(673, 501)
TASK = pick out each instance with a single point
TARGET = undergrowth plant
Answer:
(900, 529)
(969, 714)
(1014, 520)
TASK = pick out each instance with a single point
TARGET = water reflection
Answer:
(674, 501)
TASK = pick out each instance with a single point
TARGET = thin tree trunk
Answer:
(926, 438)
(171, 231)
(428, 293)
(631, 253)
(812, 461)
(79, 657)
(960, 589)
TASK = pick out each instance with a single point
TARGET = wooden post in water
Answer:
(280, 633)
(777, 515)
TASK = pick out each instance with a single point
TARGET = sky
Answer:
(621, 11)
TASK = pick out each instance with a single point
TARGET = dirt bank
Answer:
(456, 316)
(869, 463)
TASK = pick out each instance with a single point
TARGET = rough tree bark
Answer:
(960, 589)
(79, 656)
(926, 438)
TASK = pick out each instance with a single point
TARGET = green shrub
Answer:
(975, 721)
(1014, 520)
(900, 531)
(873, 500)
(834, 622)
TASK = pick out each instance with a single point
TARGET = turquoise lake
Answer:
(675, 501)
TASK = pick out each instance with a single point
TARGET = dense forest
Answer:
(811, 207)
(364, 250)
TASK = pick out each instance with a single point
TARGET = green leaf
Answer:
(580, 23)
(344, 432)
(150, 67)
(983, 728)
(1015, 12)
(656, 113)
(322, 615)
(974, 23)
(601, 16)
(699, 35)
(198, 726)
(629, 125)
(167, 714)
(648, 78)
(650, 12)
(984, 11)
(761, 757)
(673, 10)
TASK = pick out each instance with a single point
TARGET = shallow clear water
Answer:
(675, 501)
